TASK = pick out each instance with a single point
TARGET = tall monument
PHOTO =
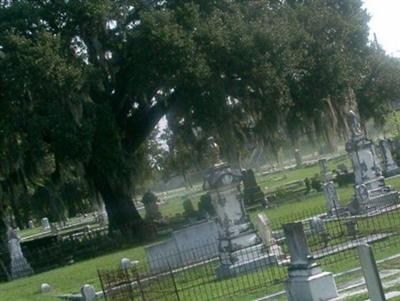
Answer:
(370, 189)
(240, 248)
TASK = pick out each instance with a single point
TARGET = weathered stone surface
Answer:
(45, 288)
(390, 167)
(306, 281)
(19, 265)
(88, 293)
(45, 224)
(370, 189)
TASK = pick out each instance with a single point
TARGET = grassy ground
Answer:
(69, 279)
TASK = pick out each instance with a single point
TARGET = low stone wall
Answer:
(188, 245)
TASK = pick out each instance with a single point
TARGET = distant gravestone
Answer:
(264, 229)
(252, 193)
(390, 167)
(45, 224)
(297, 157)
(88, 293)
(30, 224)
(45, 288)
(125, 263)
(151, 206)
(332, 198)
(317, 226)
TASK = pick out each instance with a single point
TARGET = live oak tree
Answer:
(83, 83)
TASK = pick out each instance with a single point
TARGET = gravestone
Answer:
(371, 191)
(317, 226)
(88, 293)
(125, 263)
(151, 206)
(45, 224)
(19, 265)
(264, 229)
(371, 273)
(325, 172)
(30, 224)
(45, 288)
(390, 167)
(332, 198)
(306, 280)
(297, 157)
(253, 194)
(240, 248)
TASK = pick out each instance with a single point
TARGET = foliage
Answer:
(84, 83)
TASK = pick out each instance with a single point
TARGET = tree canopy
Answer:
(84, 83)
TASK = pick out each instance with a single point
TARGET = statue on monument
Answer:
(354, 124)
(214, 151)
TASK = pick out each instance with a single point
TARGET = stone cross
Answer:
(300, 255)
(264, 228)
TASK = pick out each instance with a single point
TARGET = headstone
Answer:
(19, 265)
(371, 274)
(367, 171)
(151, 206)
(253, 194)
(88, 293)
(297, 157)
(54, 228)
(332, 198)
(238, 240)
(30, 224)
(306, 279)
(125, 263)
(45, 288)
(325, 172)
(390, 167)
(317, 226)
(264, 229)
(45, 224)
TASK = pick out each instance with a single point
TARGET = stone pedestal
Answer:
(19, 265)
(240, 248)
(390, 167)
(370, 189)
(306, 281)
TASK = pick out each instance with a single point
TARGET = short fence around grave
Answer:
(332, 240)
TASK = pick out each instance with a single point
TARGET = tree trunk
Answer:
(123, 217)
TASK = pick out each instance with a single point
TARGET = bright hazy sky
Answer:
(385, 22)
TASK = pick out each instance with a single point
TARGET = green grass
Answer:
(69, 279)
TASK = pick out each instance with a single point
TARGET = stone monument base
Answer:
(20, 268)
(391, 172)
(250, 259)
(375, 201)
(310, 285)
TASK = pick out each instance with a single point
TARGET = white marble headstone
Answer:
(88, 293)
(45, 224)
(264, 228)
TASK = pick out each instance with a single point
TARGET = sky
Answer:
(385, 22)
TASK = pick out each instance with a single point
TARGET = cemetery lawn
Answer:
(69, 279)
